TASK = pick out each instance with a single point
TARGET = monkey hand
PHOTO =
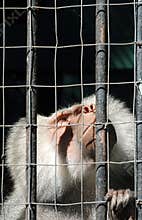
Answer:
(121, 204)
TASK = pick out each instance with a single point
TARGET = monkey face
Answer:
(74, 134)
(81, 150)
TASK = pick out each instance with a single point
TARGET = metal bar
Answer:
(139, 109)
(101, 116)
(31, 114)
(3, 114)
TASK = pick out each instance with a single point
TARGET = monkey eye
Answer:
(62, 122)
(63, 119)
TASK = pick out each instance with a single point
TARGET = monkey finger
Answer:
(113, 203)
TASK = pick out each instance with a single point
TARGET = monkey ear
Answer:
(112, 136)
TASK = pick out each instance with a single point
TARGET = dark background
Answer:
(68, 59)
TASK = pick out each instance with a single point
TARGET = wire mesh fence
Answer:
(54, 54)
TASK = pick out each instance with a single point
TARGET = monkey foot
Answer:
(121, 204)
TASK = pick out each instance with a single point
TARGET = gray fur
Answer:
(67, 177)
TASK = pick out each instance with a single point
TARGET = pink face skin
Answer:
(74, 127)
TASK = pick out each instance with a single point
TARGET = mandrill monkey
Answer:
(66, 164)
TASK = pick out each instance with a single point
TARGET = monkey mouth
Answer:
(93, 141)
(88, 139)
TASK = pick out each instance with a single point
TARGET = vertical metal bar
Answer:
(139, 109)
(101, 116)
(31, 114)
(3, 114)
(55, 81)
(82, 188)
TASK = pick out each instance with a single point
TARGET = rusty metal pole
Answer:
(101, 183)
(31, 114)
(139, 109)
